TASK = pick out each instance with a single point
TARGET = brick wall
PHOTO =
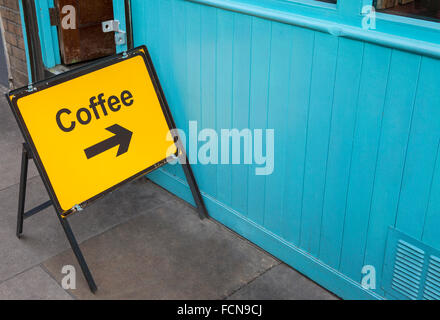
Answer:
(14, 45)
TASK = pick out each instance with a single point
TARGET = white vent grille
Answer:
(432, 284)
(408, 269)
(411, 268)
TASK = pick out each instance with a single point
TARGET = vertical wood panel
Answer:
(277, 110)
(48, 34)
(297, 114)
(432, 222)
(394, 138)
(181, 34)
(340, 148)
(152, 38)
(180, 74)
(377, 62)
(193, 55)
(224, 96)
(119, 14)
(241, 104)
(321, 102)
(140, 36)
(375, 69)
(208, 172)
(165, 60)
(422, 152)
(164, 63)
(260, 69)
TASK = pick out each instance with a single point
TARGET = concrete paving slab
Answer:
(166, 253)
(282, 283)
(43, 235)
(34, 284)
(10, 145)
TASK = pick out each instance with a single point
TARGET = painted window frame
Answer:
(407, 27)
(343, 19)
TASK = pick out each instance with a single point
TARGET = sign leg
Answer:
(201, 208)
(77, 251)
(22, 192)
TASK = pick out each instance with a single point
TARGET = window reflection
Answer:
(422, 9)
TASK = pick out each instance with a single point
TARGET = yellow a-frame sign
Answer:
(93, 129)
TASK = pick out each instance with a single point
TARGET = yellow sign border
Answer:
(17, 94)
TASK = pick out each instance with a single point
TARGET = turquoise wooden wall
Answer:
(357, 131)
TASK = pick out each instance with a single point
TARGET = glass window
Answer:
(422, 9)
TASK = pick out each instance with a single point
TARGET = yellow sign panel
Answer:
(97, 128)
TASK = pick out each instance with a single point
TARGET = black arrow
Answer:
(122, 138)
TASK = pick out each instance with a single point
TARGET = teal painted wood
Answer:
(259, 94)
(303, 43)
(119, 14)
(318, 134)
(421, 154)
(396, 123)
(163, 44)
(432, 220)
(179, 68)
(225, 28)
(356, 135)
(241, 97)
(193, 103)
(208, 117)
(375, 69)
(279, 83)
(48, 34)
(345, 104)
(20, 6)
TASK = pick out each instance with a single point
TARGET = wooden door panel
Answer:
(87, 41)
(96, 11)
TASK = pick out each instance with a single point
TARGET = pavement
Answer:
(141, 242)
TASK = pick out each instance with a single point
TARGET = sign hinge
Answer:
(54, 17)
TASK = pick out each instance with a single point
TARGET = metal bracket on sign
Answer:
(113, 26)
(31, 88)
(78, 208)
